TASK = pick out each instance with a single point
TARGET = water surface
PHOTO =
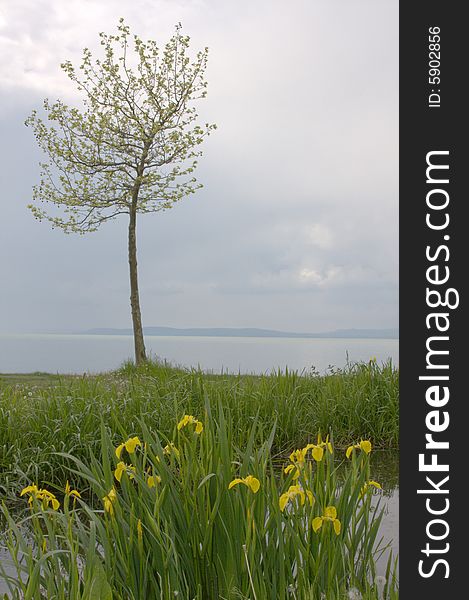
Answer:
(26, 353)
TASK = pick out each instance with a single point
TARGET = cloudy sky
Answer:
(296, 227)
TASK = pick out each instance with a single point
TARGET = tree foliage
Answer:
(134, 145)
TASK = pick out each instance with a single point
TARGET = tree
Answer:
(131, 149)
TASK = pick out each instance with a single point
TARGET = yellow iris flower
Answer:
(298, 457)
(190, 420)
(251, 482)
(30, 489)
(123, 468)
(109, 500)
(69, 492)
(48, 497)
(152, 480)
(298, 460)
(317, 452)
(42, 495)
(130, 445)
(290, 468)
(367, 485)
(291, 493)
(364, 445)
(171, 449)
(325, 444)
(330, 514)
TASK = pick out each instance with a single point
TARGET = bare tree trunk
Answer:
(140, 354)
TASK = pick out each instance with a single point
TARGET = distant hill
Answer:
(251, 332)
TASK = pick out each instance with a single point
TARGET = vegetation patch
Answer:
(195, 515)
(38, 422)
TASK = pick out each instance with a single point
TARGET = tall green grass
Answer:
(189, 535)
(37, 422)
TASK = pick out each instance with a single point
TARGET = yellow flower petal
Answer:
(171, 449)
(109, 500)
(317, 523)
(298, 457)
(119, 470)
(123, 468)
(349, 451)
(283, 501)
(375, 484)
(365, 445)
(30, 489)
(190, 420)
(336, 524)
(291, 468)
(295, 490)
(317, 453)
(291, 493)
(131, 444)
(253, 483)
(330, 512)
(119, 449)
(153, 480)
(70, 492)
(183, 422)
(45, 495)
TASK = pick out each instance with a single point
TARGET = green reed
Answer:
(189, 512)
(39, 421)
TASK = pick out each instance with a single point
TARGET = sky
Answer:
(296, 227)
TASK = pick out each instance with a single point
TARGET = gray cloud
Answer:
(296, 227)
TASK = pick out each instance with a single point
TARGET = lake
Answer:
(54, 353)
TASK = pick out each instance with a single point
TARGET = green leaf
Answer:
(99, 588)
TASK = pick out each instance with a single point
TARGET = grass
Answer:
(29, 379)
(201, 512)
(190, 536)
(45, 415)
